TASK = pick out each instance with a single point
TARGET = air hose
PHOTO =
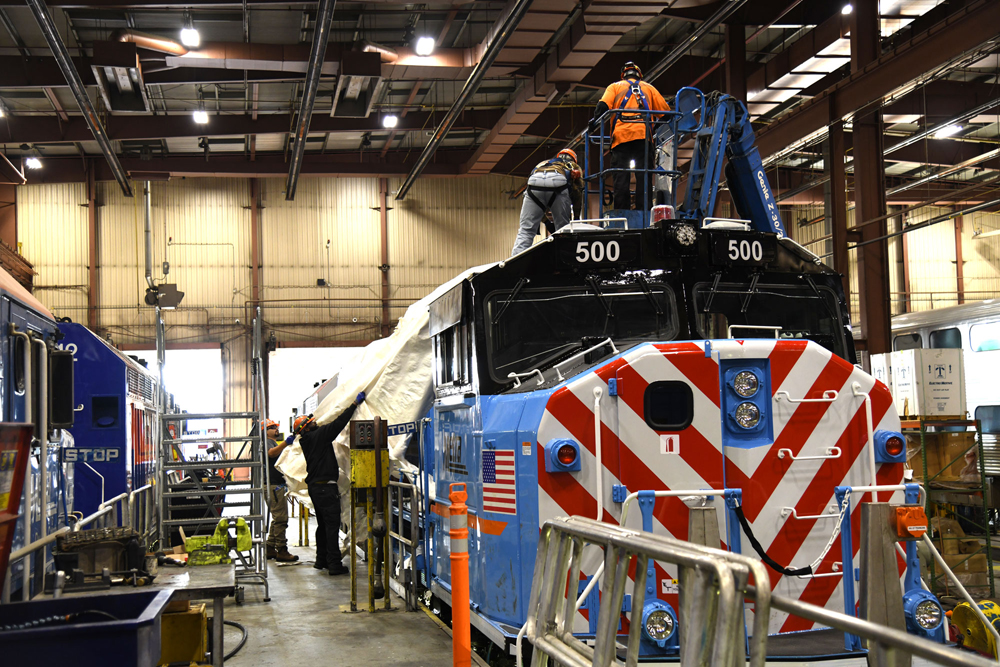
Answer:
(773, 564)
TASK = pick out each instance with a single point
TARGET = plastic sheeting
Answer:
(396, 374)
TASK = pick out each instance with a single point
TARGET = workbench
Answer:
(202, 582)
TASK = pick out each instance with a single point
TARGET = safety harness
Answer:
(552, 190)
(635, 88)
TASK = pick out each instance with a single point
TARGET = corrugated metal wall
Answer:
(320, 257)
(52, 227)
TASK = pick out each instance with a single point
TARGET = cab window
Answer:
(907, 342)
(950, 338)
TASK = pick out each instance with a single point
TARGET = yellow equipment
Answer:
(972, 634)
(370, 488)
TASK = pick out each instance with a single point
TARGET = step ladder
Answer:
(195, 502)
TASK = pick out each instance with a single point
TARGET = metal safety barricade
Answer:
(713, 587)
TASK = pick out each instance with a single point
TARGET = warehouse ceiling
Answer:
(247, 76)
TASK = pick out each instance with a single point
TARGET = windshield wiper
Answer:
(597, 291)
(649, 295)
(711, 293)
(829, 309)
(750, 293)
(513, 295)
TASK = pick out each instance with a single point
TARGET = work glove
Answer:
(360, 399)
(290, 439)
(593, 126)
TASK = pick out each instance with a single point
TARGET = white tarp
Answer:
(396, 374)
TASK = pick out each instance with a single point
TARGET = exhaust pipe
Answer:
(149, 41)
(149, 235)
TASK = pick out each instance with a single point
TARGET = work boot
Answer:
(272, 552)
(283, 556)
(338, 569)
(319, 565)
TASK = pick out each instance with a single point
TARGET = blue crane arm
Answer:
(748, 184)
(725, 126)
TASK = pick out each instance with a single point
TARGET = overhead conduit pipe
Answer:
(389, 55)
(44, 19)
(148, 231)
(321, 37)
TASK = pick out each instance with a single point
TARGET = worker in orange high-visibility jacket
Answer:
(631, 133)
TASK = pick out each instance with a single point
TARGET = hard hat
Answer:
(268, 423)
(300, 421)
(631, 67)
(568, 152)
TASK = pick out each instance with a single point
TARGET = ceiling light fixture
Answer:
(189, 34)
(425, 46)
(33, 163)
(948, 131)
(390, 121)
(847, 9)
(200, 116)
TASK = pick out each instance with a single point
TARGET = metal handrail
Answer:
(405, 543)
(551, 613)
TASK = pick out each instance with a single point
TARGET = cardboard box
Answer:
(928, 383)
(184, 636)
(881, 365)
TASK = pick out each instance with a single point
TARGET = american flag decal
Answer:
(499, 481)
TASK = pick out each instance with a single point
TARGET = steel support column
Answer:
(383, 191)
(93, 279)
(869, 189)
(255, 241)
(835, 201)
(736, 59)
(959, 262)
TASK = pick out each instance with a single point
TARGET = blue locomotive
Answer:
(698, 362)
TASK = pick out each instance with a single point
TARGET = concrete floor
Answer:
(304, 622)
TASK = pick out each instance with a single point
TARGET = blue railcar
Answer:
(28, 344)
(113, 432)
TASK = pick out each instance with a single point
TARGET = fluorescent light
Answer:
(947, 131)
(390, 121)
(425, 46)
(847, 9)
(190, 37)
(33, 163)
(200, 116)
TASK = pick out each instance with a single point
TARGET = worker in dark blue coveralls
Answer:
(322, 473)
(631, 133)
(554, 186)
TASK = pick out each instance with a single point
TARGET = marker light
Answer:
(200, 116)
(566, 454)
(390, 121)
(890, 447)
(631, 164)
(747, 415)
(33, 163)
(894, 446)
(425, 46)
(746, 384)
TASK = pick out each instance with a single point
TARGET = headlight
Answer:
(686, 235)
(928, 614)
(659, 625)
(746, 384)
(747, 415)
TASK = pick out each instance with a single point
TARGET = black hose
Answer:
(243, 640)
(763, 554)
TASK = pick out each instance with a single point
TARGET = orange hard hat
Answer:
(299, 421)
(268, 423)
(568, 152)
